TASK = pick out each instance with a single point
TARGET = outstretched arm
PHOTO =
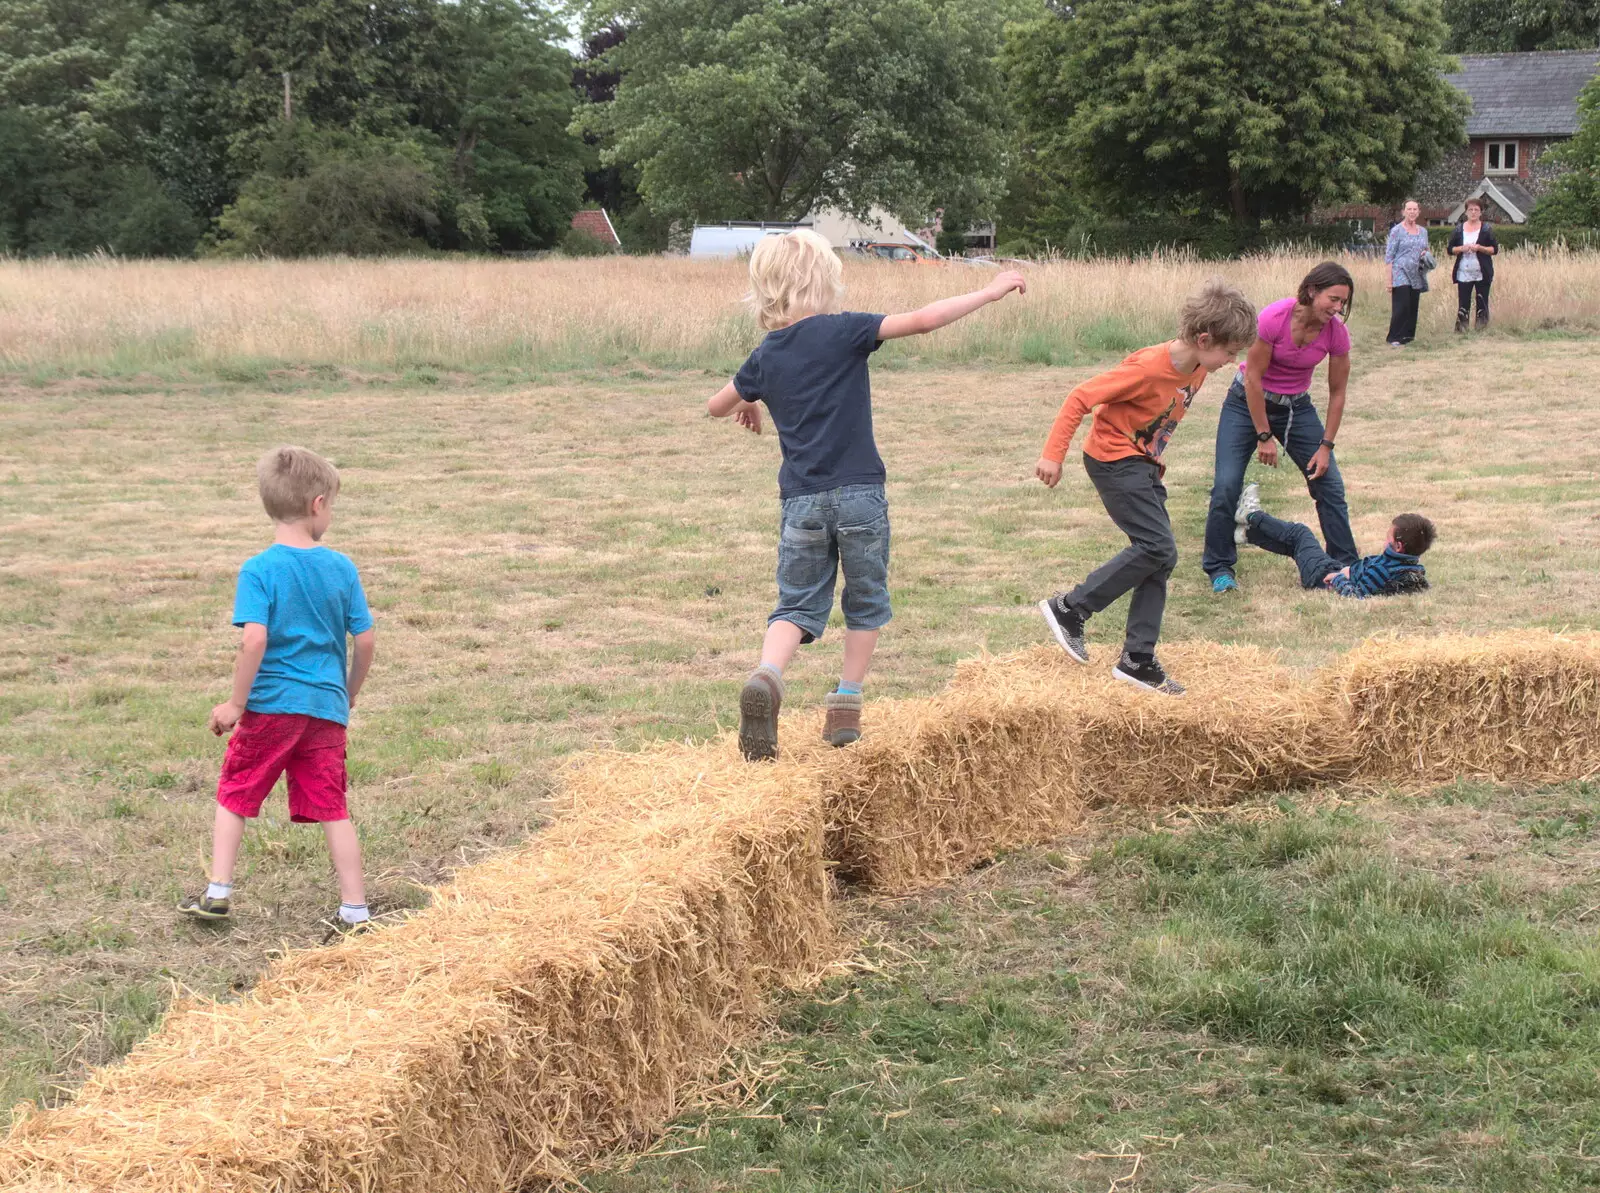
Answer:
(947, 310)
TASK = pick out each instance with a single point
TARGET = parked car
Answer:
(733, 239)
(892, 251)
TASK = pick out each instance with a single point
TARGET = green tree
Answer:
(1573, 200)
(1257, 109)
(770, 108)
(1497, 26)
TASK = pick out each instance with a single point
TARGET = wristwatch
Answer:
(1327, 443)
(1263, 436)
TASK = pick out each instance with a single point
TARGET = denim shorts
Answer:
(848, 526)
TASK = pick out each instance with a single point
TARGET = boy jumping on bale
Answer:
(1394, 571)
(1137, 406)
(811, 371)
(291, 695)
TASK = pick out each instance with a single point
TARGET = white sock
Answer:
(354, 913)
(219, 890)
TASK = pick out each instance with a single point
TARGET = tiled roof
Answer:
(597, 224)
(1531, 94)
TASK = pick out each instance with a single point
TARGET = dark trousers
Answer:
(1299, 429)
(1295, 540)
(1132, 492)
(1403, 314)
(1464, 292)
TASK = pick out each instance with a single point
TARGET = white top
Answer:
(1471, 267)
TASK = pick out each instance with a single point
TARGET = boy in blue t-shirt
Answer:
(1395, 571)
(811, 371)
(291, 696)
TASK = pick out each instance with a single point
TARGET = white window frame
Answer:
(1502, 170)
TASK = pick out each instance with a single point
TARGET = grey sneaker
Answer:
(1249, 503)
(1066, 627)
(1150, 675)
(203, 907)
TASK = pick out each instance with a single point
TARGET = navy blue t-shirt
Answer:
(813, 377)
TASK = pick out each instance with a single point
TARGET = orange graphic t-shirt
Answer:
(1137, 406)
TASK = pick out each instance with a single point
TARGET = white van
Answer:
(733, 239)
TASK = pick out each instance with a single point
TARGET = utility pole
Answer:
(288, 100)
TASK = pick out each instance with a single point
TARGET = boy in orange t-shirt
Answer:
(1137, 406)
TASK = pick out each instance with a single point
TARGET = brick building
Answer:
(1522, 105)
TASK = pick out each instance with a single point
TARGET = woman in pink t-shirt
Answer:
(1270, 403)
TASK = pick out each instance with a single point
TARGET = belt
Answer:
(1284, 400)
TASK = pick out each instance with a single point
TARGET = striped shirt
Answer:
(1389, 574)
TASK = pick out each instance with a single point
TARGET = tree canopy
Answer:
(1497, 26)
(136, 127)
(1261, 109)
(770, 108)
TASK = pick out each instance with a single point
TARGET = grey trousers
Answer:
(1134, 496)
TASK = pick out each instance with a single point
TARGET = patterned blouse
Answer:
(1404, 255)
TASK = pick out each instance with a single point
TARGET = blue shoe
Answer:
(1223, 582)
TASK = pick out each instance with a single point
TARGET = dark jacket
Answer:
(1390, 574)
(1485, 238)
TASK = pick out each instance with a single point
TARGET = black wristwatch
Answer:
(1263, 436)
(1327, 443)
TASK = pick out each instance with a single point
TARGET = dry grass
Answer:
(164, 316)
(558, 565)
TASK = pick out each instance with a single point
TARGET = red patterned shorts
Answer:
(265, 745)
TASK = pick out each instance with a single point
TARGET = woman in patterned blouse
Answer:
(1407, 243)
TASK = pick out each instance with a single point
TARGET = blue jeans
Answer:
(1299, 429)
(1295, 540)
(846, 527)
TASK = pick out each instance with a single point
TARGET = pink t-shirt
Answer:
(1289, 371)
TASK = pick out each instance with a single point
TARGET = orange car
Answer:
(889, 251)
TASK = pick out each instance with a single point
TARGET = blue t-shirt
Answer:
(813, 377)
(309, 598)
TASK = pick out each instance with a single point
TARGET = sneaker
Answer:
(203, 907)
(1147, 675)
(1396, 344)
(1066, 626)
(759, 703)
(843, 723)
(1249, 503)
(339, 926)
(1223, 583)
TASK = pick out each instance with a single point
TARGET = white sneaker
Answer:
(1249, 503)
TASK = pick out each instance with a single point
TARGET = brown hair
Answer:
(1221, 311)
(1329, 273)
(291, 478)
(1472, 201)
(1414, 533)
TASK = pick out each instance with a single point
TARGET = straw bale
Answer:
(1517, 705)
(553, 1001)
(1020, 746)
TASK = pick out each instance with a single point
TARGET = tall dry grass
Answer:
(107, 315)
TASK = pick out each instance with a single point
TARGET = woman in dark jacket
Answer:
(1473, 246)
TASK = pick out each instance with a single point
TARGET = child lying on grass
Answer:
(1393, 572)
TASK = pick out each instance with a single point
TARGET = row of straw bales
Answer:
(569, 995)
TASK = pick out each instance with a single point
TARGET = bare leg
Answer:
(858, 648)
(345, 847)
(782, 640)
(227, 831)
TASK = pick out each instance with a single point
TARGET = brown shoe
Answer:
(843, 724)
(759, 703)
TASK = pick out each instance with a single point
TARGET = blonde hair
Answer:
(1221, 311)
(291, 478)
(794, 275)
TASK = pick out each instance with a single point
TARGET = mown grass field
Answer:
(567, 553)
